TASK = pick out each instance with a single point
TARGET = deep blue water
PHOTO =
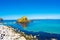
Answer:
(46, 25)
(43, 27)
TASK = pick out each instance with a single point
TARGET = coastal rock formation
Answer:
(23, 21)
(8, 33)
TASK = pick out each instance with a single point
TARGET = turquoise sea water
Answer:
(50, 26)
(44, 25)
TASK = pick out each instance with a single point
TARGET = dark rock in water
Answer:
(23, 21)
(1, 19)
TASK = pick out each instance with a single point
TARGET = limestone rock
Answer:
(23, 21)
(8, 33)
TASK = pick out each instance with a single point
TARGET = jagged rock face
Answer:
(7, 33)
(23, 21)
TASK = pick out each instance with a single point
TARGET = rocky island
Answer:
(23, 21)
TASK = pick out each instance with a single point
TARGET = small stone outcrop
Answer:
(23, 21)
(1, 19)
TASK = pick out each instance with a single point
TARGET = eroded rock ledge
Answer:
(9, 33)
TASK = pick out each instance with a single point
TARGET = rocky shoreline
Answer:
(9, 33)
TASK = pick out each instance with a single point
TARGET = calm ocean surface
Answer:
(44, 25)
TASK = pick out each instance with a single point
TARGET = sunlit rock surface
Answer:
(8, 33)
(23, 21)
